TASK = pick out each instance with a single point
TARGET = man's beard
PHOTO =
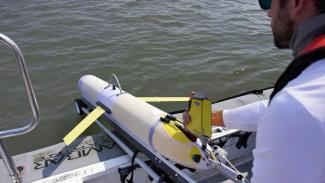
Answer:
(282, 29)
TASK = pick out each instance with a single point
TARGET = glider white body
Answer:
(143, 120)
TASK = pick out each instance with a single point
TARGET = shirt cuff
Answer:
(226, 118)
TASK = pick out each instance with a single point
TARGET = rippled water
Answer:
(157, 48)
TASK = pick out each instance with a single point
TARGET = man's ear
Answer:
(298, 6)
(301, 10)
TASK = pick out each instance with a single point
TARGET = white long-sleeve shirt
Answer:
(290, 140)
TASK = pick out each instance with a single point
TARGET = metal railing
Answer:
(8, 161)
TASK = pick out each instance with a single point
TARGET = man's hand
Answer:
(186, 118)
(217, 118)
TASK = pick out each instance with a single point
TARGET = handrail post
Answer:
(4, 152)
(29, 90)
(9, 163)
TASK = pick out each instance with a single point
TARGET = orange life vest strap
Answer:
(316, 43)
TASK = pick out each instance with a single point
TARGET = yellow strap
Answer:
(83, 125)
(165, 99)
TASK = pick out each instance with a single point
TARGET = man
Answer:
(290, 140)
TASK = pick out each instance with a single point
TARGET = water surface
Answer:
(156, 48)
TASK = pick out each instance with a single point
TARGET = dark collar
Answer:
(296, 67)
(306, 32)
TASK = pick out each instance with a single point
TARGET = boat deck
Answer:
(97, 158)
